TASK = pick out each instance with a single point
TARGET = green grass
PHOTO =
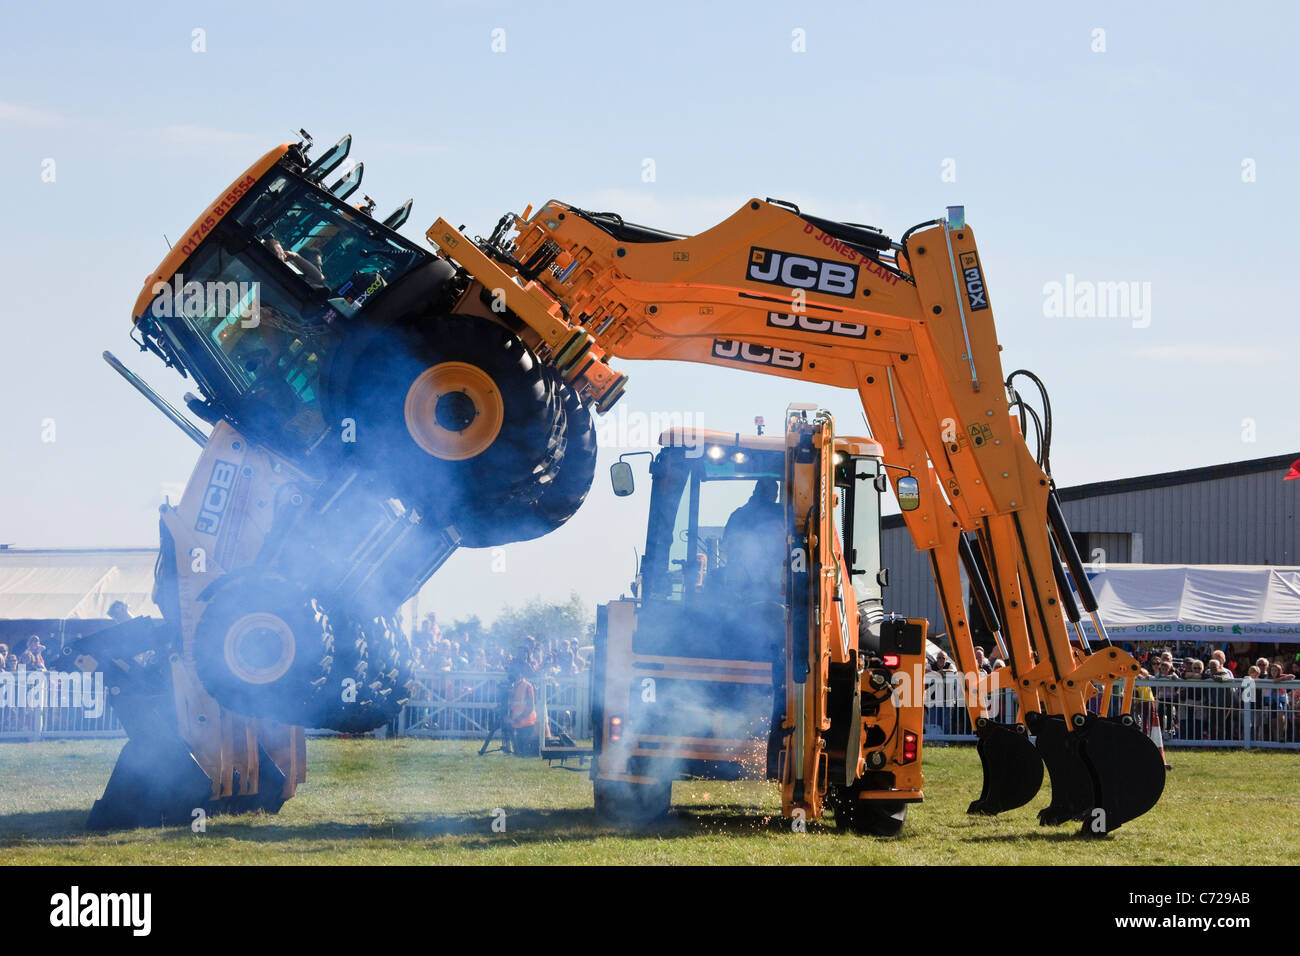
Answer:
(415, 801)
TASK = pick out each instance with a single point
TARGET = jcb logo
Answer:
(215, 498)
(802, 272)
(797, 320)
(757, 354)
(976, 294)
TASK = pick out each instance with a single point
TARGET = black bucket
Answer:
(1013, 770)
(1127, 771)
(156, 782)
(1072, 782)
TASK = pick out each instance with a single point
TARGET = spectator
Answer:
(11, 662)
(1216, 671)
(31, 657)
(941, 663)
(981, 662)
(119, 612)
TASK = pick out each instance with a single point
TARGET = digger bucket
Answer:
(1104, 773)
(1128, 772)
(156, 782)
(1072, 783)
(1013, 770)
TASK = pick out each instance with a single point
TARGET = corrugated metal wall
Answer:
(1243, 519)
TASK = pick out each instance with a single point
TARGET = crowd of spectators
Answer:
(479, 652)
(1192, 711)
(28, 653)
(1179, 692)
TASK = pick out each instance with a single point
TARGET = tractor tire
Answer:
(375, 657)
(881, 818)
(632, 804)
(264, 649)
(458, 411)
(555, 499)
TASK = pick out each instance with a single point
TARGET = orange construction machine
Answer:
(756, 642)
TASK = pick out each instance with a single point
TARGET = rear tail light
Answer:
(615, 728)
(910, 746)
(891, 660)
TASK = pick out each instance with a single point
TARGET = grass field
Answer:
(414, 801)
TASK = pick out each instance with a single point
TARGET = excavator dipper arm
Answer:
(909, 326)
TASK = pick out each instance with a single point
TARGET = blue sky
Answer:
(1169, 158)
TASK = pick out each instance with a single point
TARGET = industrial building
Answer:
(1241, 513)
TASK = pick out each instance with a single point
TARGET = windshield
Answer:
(727, 531)
(326, 243)
(247, 339)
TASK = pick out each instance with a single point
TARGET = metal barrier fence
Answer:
(464, 705)
(1241, 713)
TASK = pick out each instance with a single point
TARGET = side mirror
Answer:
(620, 477)
(908, 490)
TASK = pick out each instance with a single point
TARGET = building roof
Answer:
(1119, 486)
(44, 584)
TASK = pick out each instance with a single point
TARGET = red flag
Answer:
(1294, 473)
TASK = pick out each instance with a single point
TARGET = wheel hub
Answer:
(454, 411)
(259, 648)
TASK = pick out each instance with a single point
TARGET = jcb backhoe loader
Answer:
(360, 434)
(756, 642)
(459, 386)
(909, 325)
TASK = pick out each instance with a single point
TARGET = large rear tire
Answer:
(264, 649)
(459, 411)
(542, 509)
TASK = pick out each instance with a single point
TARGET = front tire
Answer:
(880, 818)
(634, 804)
(263, 649)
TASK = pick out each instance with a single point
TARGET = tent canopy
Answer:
(1198, 602)
(68, 583)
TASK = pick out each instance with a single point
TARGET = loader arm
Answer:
(910, 327)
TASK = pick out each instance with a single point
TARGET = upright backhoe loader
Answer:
(909, 325)
(374, 406)
(756, 642)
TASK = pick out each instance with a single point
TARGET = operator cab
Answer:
(261, 289)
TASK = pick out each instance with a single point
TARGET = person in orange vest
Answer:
(522, 717)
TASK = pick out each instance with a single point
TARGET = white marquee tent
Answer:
(1197, 602)
(74, 583)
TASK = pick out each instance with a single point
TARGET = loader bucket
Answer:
(1072, 783)
(156, 782)
(1127, 770)
(1013, 770)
